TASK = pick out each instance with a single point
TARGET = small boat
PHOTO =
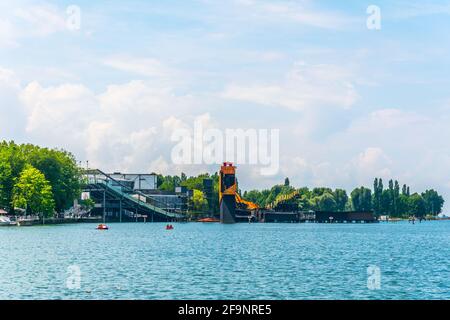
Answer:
(5, 221)
(102, 226)
(209, 219)
(169, 227)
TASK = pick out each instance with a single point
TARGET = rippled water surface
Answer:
(214, 261)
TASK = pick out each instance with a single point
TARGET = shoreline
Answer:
(59, 221)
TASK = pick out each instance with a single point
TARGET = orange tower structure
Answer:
(229, 199)
(227, 193)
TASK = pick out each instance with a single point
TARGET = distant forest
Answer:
(393, 200)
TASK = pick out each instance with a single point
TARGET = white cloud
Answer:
(148, 67)
(389, 119)
(8, 78)
(305, 86)
(126, 127)
(62, 106)
(413, 10)
(7, 34)
(41, 20)
(299, 12)
(11, 110)
(21, 20)
(370, 163)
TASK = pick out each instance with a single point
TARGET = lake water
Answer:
(214, 261)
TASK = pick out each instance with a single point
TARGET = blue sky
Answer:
(351, 103)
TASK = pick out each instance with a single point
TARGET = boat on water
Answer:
(209, 219)
(169, 227)
(102, 226)
(6, 222)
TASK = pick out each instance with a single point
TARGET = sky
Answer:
(351, 103)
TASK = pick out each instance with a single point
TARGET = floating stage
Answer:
(234, 209)
(269, 216)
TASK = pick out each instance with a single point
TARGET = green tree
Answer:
(417, 205)
(404, 190)
(159, 180)
(385, 203)
(395, 196)
(12, 163)
(33, 193)
(286, 182)
(349, 205)
(5, 178)
(320, 191)
(403, 206)
(377, 192)
(199, 201)
(256, 196)
(58, 166)
(193, 183)
(341, 198)
(324, 202)
(361, 199)
(60, 169)
(167, 184)
(87, 204)
(433, 202)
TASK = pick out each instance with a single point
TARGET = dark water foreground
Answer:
(214, 261)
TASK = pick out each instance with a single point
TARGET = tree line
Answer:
(37, 180)
(394, 200)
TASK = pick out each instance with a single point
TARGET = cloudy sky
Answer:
(351, 103)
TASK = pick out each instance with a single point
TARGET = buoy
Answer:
(102, 227)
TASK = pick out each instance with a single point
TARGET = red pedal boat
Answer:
(102, 227)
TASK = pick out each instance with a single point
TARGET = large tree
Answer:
(386, 202)
(395, 197)
(58, 166)
(12, 163)
(33, 193)
(199, 200)
(362, 199)
(60, 169)
(5, 179)
(341, 198)
(286, 182)
(433, 202)
(324, 202)
(417, 205)
(403, 206)
(377, 192)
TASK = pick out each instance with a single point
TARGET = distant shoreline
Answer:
(59, 221)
